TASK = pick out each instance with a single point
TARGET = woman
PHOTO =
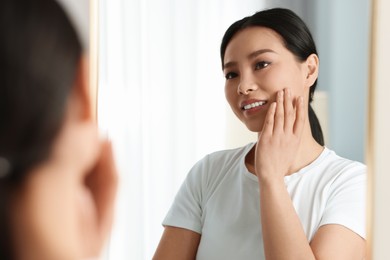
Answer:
(57, 176)
(285, 196)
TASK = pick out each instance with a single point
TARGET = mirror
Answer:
(378, 139)
(159, 70)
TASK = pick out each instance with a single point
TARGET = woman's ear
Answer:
(312, 63)
(80, 98)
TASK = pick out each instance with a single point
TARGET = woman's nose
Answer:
(245, 87)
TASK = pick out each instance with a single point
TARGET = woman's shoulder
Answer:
(339, 168)
(335, 160)
(217, 164)
(228, 155)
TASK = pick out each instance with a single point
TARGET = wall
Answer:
(341, 31)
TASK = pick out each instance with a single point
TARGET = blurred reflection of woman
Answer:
(57, 176)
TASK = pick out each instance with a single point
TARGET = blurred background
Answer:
(161, 94)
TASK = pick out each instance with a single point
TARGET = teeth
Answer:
(255, 104)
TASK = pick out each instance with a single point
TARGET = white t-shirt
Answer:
(220, 200)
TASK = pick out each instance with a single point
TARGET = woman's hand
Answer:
(275, 155)
(101, 183)
(280, 138)
(90, 170)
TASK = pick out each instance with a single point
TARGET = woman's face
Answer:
(256, 66)
(51, 206)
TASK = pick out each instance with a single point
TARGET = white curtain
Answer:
(161, 101)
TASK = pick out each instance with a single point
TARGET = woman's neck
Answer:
(307, 152)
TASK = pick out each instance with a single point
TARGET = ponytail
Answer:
(315, 126)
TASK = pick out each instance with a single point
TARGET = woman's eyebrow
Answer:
(229, 64)
(258, 52)
(250, 56)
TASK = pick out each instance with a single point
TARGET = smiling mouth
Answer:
(254, 104)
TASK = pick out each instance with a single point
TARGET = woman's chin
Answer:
(257, 128)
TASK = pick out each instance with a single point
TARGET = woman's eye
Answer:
(230, 75)
(262, 65)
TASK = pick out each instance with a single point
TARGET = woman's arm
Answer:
(276, 150)
(177, 243)
(284, 237)
(334, 241)
(283, 234)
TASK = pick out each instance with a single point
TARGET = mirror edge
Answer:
(93, 54)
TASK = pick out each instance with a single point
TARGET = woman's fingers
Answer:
(289, 111)
(105, 183)
(300, 117)
(281, 135)
(279, 113)
(283, 117)
(102, 182)
(268, 126)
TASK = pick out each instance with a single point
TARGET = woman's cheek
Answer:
(231, 94)
(46, 213)
(270, 80)
(86, 220)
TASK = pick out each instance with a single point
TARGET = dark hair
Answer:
(39, 56)
(297, 39)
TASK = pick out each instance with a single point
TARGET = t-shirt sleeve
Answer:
(347, 200)
(186, 210)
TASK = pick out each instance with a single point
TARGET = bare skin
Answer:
(258, 67)
(178, 243)
(64, 209)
